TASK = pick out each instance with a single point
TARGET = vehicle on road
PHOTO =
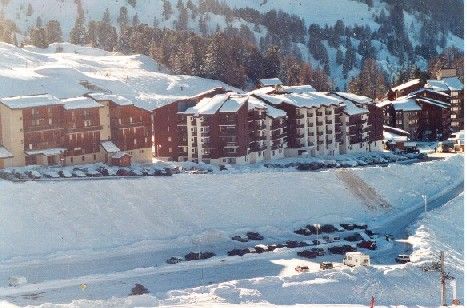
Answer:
(402, 259)
(356, 258)
(326, 265)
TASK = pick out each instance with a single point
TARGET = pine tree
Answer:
(135, 21)
(339, 57)
(271, 66)
(39, 22)
(78, 32)
(29, 11)
(54, 32)
(38, 37)
(91, 35)
(370, 82)
(123, 18)
(106, 33)
(182, 22)
(203, 25)
(167, 10)
(132, 3)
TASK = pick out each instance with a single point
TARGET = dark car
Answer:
(307, 254)
(238, 252)
(354, 238)
(295, 244)
(303, 231)
(326, 265)
(254, 236)
(175, 260)
(199, 255)
(367, 245)
(239, 238)
(340, 250)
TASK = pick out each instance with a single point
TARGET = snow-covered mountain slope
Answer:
(321, 12)
(77, 70)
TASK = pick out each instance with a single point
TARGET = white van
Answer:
(356, 259)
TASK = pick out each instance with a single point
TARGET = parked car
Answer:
(51, 175)
(261, 248)
(33, 174)
(21, 175)
(254, 236)
(240, 238)
(302, 269)
(367, 244)
(295, 244)
(340, 250)
(402, 259)
(175, 260)
(354, 238)
(238, 252)
(199, 255)
(319, 251)
(65, 174)
(307, 254)
(93, 173)
(78, 173)
(303, 231)
(326, 265)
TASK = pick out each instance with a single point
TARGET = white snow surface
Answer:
(111, 213)
(79, 70)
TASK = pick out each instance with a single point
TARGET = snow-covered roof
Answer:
(406, 104)
(46, 152)
(351, 109)
(117, 99)
(80, 103)
(309, 99)
(389, 136)
(299, 89)
(434, 102)
(395, 130)
(4, 153)
(119, 155)
(109, 146)
(268, 82)
(360, 99)
(405, 85)
(30, 101)
(233, 103)
(208, 105)
(253, 102)
(445, 84)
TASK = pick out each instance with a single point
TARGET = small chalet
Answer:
(121, 159)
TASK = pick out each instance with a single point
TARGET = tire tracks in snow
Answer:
(362, 190)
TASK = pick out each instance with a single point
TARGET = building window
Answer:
(169, 139)
(120, 121)
(170, 150)
(134, 141)
(50, 121)
(95, 157)
(30, 146)
(131, 119)
(71, 159)
(82, 158)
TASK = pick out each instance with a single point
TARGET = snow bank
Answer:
(40, 218)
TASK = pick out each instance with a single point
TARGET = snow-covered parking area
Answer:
(107, 236)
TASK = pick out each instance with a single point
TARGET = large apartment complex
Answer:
(431, 110)
(44, 130)
(216, 127)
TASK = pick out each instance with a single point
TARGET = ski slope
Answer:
(65, 74)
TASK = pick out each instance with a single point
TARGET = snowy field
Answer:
(120, 232)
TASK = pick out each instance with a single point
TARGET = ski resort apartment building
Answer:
(429, 111)
(45, 130)
(326, 123)
(219, 127)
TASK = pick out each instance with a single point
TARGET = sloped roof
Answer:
(254, 102)
(109, 146)
(445, 84)
(267, 82)
(30, 101)
(117, 99)
(406, 85)
(4, 153)
(80, 103)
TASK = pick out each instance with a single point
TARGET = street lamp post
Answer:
(317, 226)
(424, 200)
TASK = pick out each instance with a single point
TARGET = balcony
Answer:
(329, 132)
(319, 123)
(319, 113)
(300, 116)
(329, 122)
(328, 113)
